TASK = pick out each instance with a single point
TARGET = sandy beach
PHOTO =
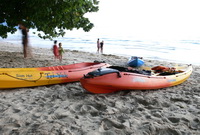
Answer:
(68, 109)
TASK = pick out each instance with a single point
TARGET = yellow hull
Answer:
(29, 77)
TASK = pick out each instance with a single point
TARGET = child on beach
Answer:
(61, 51)
(55, 50)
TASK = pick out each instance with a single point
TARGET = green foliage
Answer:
(52, 17)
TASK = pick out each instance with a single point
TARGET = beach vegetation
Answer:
(51, 18)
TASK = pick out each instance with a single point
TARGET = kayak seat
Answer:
(102, 71)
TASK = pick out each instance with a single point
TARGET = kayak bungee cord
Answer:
(22, 78)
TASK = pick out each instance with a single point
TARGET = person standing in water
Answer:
(101, 46)
(98, 45)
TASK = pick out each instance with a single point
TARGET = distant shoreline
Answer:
(92, 49)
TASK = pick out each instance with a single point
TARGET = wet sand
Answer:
(68, 109)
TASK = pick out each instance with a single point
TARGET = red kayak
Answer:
(112, 79)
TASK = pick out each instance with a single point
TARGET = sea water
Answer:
(177, 50)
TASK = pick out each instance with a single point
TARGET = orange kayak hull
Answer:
(112, 82)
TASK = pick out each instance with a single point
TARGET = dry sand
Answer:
(68, 109)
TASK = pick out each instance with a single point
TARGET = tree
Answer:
(52, 17)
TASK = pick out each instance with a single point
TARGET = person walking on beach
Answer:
(55, 50)
(101, 46)
(24, 40)
(61, 51)
(98, 45)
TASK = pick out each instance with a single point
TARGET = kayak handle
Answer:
(118, 74)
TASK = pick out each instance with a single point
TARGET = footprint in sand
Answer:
(195, 124)
(174, 120)
(108, 124)
(167, 131)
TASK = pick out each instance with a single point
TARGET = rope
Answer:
(23, 79)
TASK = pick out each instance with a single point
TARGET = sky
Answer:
(148, 18)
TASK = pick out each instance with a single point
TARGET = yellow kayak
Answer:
(29, 77)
